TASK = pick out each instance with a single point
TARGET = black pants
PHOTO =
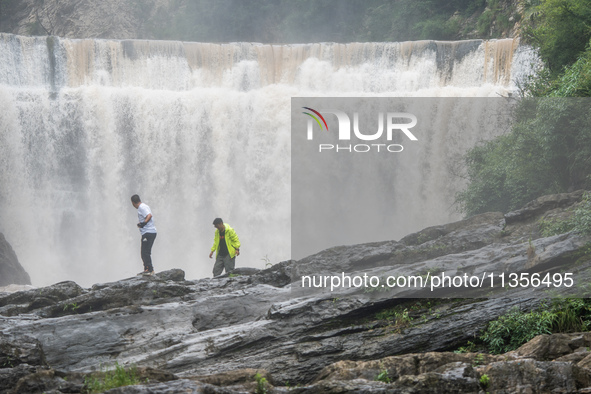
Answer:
(147, 242)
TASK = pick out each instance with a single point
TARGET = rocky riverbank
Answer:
(258, 330)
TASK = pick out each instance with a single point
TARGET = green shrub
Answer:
(117, 377)
(484, 22)
(580, 222)
(582, 218)
(515, 328)
(484, 381)
(261, 384)
(546, 152)
(401, 318)
(560, 30)
(383, 376)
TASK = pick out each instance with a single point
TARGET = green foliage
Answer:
(550, 227)
(580, 222)
(484, 381)
(117, 377)
(73, 306)
(267, 261)
(484, 22)
(548, 148)
(261, 384)
(574, 81)
(515, 328)
(400, 318)
(546, 152)
(582, 218)
(478, 360)
(560, 29)
(469, 348)
(572, 315)
(383, 376)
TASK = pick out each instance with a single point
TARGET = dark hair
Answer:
(135, 199)
(217, 221)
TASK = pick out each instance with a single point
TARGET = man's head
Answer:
(219, 224)
(135, 201)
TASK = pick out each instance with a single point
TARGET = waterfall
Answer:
(198, 130)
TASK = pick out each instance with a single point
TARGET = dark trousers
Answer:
(146, 251)
(223, 262)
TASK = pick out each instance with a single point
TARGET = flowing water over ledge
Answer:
(199, 131)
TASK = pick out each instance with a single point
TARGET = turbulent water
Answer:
(197, 130)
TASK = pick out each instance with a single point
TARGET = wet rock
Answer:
(409, 364)
(543, 204)
(175, 275)
(68, 298)
(30, 300)
(231, 378)
(585, 363)
(440, 383)
(9, 377)
(466, 235)
(278, 275)
(11, 271)
(576, 357)
(244, 271)
(178, 386)
(27, 350)
(229, 324)
(550, 347)
(45, 381)
(530, 376)
(28, 379)
(207, 332)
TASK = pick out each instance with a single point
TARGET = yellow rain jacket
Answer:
(231, 238)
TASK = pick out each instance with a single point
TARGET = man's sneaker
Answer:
(148, 273)
(144, 272)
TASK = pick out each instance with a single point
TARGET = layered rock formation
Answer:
(256, 330)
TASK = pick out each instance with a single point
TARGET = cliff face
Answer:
(215, 334)
(118, 19)
(11, 271)
(146, 19)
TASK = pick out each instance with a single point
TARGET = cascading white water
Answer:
(197, 130)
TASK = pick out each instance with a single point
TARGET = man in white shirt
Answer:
(147, 230)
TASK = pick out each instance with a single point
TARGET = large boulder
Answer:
(11, 271)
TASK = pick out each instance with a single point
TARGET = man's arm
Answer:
(235, 242)
(146, 220)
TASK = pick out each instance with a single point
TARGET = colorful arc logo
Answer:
(315, 118)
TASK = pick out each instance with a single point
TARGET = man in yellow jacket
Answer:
(226, 245)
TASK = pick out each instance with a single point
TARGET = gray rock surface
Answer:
(11, 271)
(118, 19)
(203, 332)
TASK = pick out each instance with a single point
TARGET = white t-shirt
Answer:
(142, 211)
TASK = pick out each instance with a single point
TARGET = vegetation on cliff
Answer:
(549, 147)
(548, 150)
